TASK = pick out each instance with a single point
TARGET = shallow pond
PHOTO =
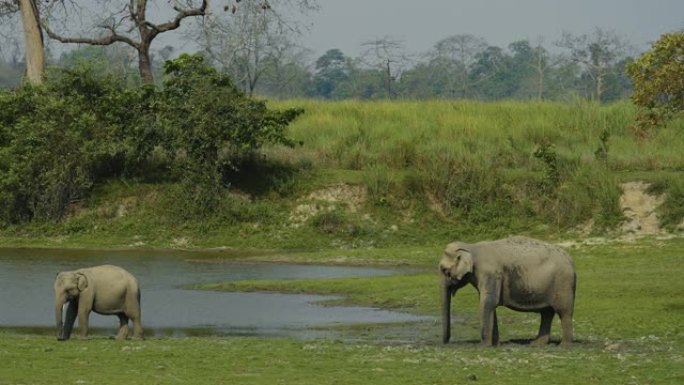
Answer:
(26, 294)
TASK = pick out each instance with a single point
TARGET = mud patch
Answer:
(640, 208)
(350, 197)
(641, 217)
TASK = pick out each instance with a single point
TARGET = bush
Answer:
(475, 193)
(330, 221)
(207, 126)
(57, 140)
(657, 76)
(671, 212)
(60, 139)
(589, 193)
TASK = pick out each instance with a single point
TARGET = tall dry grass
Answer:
(477, 160)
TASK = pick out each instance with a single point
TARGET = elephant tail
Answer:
(574, 288)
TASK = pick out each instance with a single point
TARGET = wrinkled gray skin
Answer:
(105, 289)
(520, 273)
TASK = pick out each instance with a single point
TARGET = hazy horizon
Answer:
(419, 25)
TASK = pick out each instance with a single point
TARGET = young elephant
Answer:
(103, 289)
(520, 273)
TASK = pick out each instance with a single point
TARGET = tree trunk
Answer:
(145, 64)
(33, 42)
(599, 85)
(540, 71)
(540, 86)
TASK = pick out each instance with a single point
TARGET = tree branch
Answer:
(182, 14)
(105, 40)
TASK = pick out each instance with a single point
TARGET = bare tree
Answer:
(287, 65)
(252, 37)
(241, 43)
(540, 64)
(386, 54)
(597, 53)
(120, 22)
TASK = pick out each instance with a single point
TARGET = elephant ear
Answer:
(464, 263)
(82, 281)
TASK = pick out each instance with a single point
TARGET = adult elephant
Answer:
(520, 273)
(105, 289)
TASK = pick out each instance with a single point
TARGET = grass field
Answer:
(397, 134)
(409, 177)
(629, 326)
(419, 173)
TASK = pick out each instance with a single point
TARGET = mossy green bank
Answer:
(383, 174)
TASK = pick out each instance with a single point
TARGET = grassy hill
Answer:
(376, 174)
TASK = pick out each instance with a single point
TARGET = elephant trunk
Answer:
(65, 316)
(447, 292)
(60, 302)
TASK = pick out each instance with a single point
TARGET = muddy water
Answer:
(26, 294)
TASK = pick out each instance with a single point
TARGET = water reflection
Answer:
(26, 294)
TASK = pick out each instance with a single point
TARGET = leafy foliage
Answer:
(547, 153)
(207, 125)
(658, 77)
(601, 152)
(59, 140)
(671, 212)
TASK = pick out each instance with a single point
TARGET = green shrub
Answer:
(474, 192)
(382, 184)
(330, 221)
(546, 152)
(206, 125)
(671, 212)
(657, 77)
(59, 139)
(589, 194)
(259, 176)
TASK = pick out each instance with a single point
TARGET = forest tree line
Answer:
(457, 67)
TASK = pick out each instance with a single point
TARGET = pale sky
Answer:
(419, 24)
(346, 24)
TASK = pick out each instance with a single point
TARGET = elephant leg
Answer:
(566, 326)
(137, 327)
(133, 312)
(545, 327)
(83, 324)
(123, 327)
(83, 315)
(488, 319)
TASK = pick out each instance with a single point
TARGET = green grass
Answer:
(260, 361)
(430, 171)
(354, 134)
(625, 290)
(629, 326)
